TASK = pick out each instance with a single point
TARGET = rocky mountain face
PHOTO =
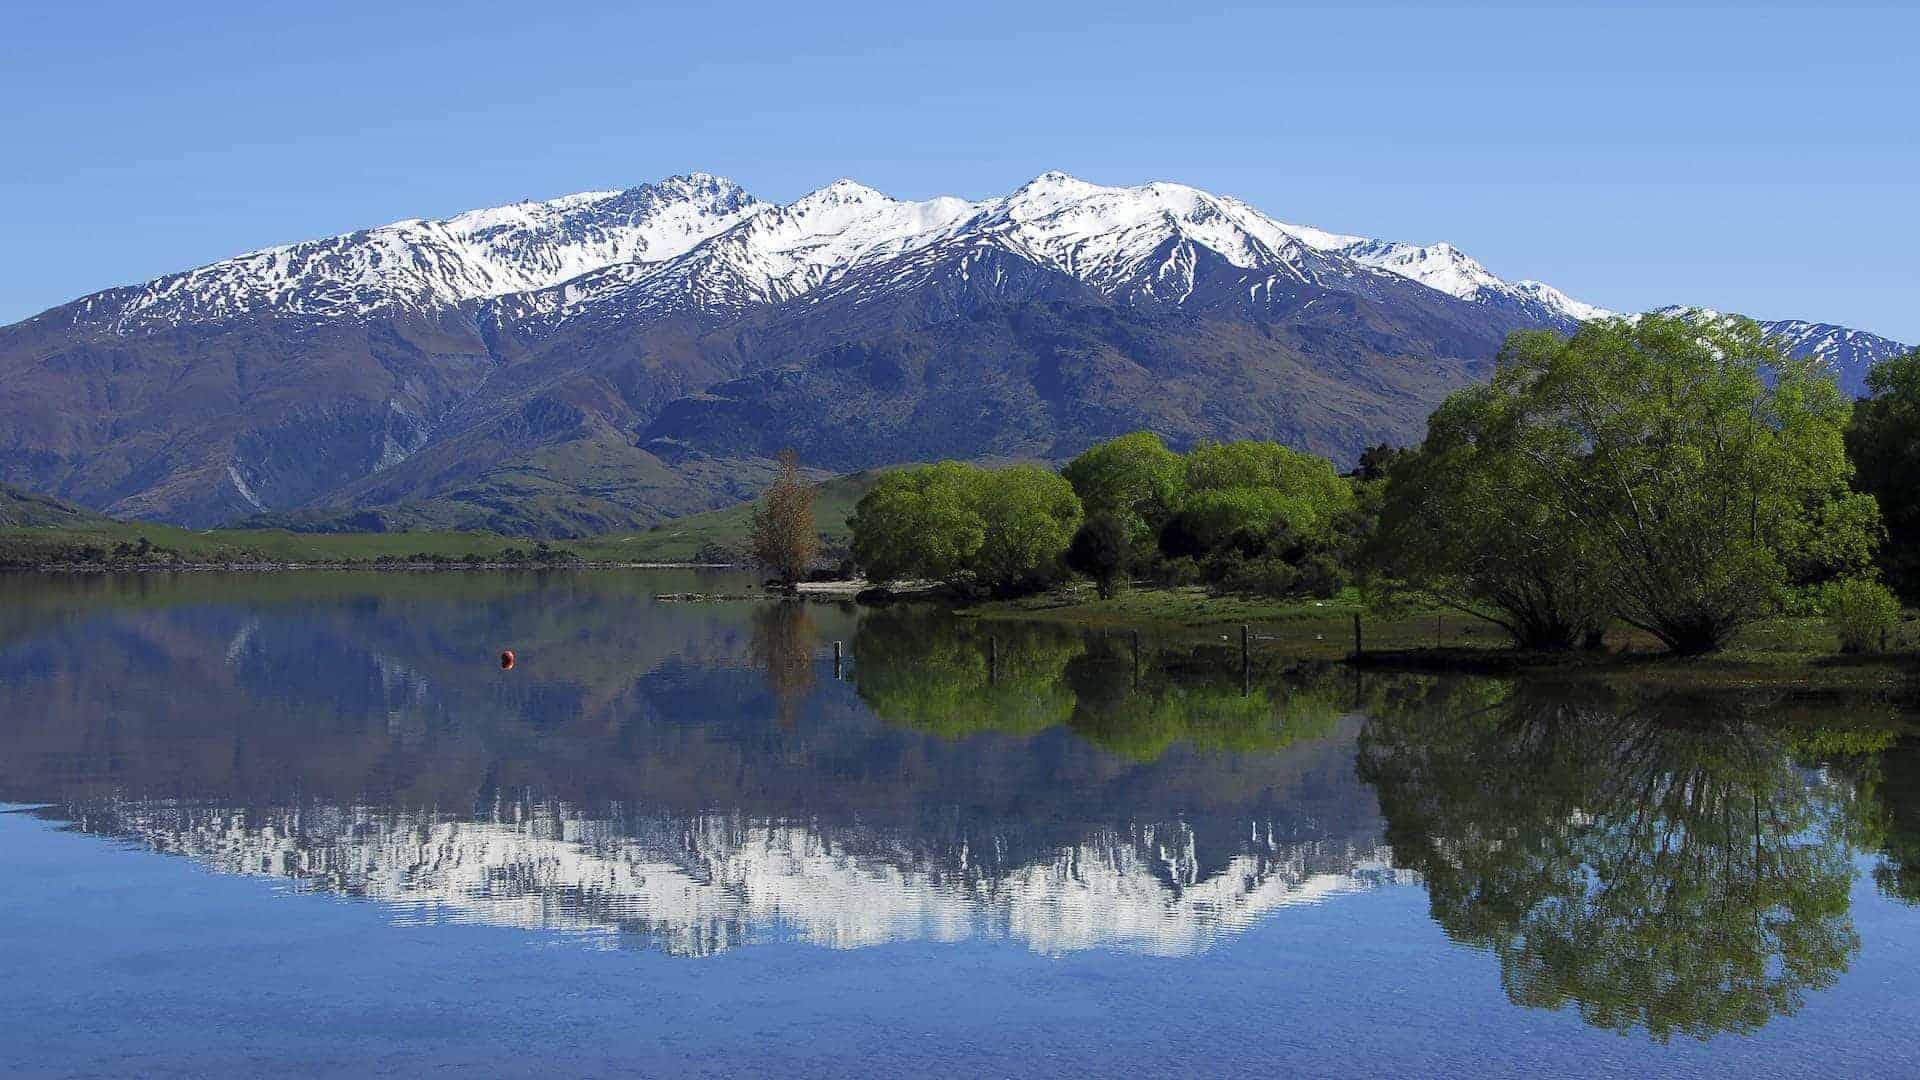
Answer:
(611, 358)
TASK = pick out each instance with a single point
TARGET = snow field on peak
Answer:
(426, 264)
(702, 241)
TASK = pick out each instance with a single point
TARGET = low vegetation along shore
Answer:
(1799, 652)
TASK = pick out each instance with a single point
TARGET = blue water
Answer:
(306, 825)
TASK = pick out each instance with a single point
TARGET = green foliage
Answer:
(956, 680)
(1643, 467)
(1246, 519)
(1258, 575)
(1469, 518)
(922, 522)
(1893, 801)
(996, 528)
(1862, 612)
(1029, 514)
(1884, 444)
(948, 680)
(1142, 716)
(1135, 478)
(1102, 549)
(1302, 488)
(1258, 519)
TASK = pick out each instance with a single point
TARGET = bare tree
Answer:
(784, 540)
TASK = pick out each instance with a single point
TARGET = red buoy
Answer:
(506, 659)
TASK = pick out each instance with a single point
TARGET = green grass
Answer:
(1798, 652)
(33, 546)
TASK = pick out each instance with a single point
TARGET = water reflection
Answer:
(686, 776)
(698, 884)
(698, 777)
(1672, 863)
(785, 644)
(955, 679)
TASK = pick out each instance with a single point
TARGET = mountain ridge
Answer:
(619, 357)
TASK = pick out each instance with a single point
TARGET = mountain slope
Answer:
(611, 359)
(24, 509)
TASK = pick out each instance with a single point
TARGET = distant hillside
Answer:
(25, 509)
(721, 535)
(37, 531)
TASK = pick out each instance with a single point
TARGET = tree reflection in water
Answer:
(1671, 864)
(784, 641)
(955, 680)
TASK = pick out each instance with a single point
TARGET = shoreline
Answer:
(1782, 653)
(268, 567)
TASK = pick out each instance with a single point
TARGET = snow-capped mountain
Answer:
(666, 339)
(441, 264)
(702, 242)
(1847, 352)
(1145, 246)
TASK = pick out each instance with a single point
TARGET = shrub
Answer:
(719, 554)
(1320, 575)
(1863, 612)
(1154, 566)
(1263, 575)
(1102, 550)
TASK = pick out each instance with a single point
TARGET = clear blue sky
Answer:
(1754, 156)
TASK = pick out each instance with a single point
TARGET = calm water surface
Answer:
(305, 824)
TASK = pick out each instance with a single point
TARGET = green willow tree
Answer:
(994, 529)
(1253, 485)
(1030, 515)
(921, 522)
(1470, 521)
(1884, 443)
(1134, 478)
(1675, 476)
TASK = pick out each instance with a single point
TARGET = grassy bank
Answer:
(142, 545)
(1782, 651)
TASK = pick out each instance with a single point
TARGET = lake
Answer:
(307, 824)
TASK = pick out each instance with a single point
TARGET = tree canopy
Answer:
(1135, 478)
(1678, 475)
(783, 536)
(964, 525)
(1884, 443)
(1302, 488)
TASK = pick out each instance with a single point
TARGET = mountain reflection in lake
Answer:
(698, 777)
